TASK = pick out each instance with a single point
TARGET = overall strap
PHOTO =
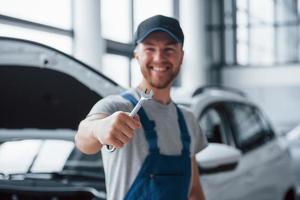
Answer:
(185, 137)
(148, 125)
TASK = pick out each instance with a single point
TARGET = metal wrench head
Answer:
(147, 94)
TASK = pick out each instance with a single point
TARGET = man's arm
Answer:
(196, 189)
(84, 139)
(116, 129)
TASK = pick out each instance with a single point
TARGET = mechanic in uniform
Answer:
(155, 150)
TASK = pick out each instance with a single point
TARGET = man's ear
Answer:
(136, 53)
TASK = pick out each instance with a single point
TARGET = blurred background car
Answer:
(293, 142)
(264, 170)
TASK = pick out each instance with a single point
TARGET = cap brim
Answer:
(159, 29)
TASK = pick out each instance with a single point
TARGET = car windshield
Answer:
(46, 156)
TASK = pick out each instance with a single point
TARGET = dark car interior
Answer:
(42, 98)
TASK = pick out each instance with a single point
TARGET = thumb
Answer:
(137, 120)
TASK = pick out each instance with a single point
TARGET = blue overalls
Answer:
(161, 176)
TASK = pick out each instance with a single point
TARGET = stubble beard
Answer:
(160, 84)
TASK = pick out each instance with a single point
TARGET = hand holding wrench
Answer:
(144, 97)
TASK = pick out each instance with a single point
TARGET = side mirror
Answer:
(218, 158)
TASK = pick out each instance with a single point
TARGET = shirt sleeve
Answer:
(201, 140)
(110, 105)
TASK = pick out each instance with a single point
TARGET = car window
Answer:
(250, 129)
(213, 125)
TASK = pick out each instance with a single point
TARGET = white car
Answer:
(293, 142)
(243, 141)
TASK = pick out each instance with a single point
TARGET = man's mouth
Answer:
(159, 69)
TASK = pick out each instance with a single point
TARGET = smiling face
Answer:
(160, 58)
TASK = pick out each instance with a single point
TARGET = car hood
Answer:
(44, 88)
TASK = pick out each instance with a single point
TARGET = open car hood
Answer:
(44, 95)
(44, 88)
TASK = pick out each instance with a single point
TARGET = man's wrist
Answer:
(94, 132)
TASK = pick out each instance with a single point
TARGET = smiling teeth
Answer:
(159, 69)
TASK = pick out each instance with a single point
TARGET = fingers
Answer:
(126, 130)
(123, 138)
(120, 129)
(132, 122)
(114, 139)
(137, 120)
(116, 143)
(126, 121)
(118, 139)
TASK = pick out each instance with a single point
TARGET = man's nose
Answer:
(159, 56)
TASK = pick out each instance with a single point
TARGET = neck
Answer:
(160, 95)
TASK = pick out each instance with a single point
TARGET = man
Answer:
(155, 156)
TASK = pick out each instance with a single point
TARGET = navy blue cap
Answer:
(159, 23)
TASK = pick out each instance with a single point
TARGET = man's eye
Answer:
(170, 50)
(149, 49)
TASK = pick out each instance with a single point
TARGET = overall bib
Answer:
(161, 177)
